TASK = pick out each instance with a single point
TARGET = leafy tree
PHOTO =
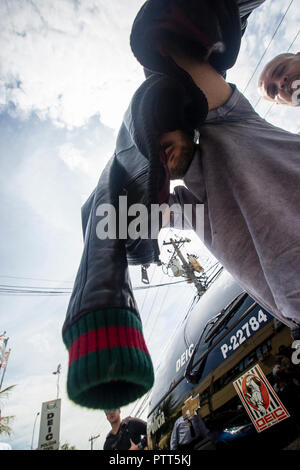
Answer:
(5, 421)
(67, 446)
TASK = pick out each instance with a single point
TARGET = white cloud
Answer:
(70, 60)
(73, 158)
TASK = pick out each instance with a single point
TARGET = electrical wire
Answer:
(35, 279)
(141, 411)
(180, 322)
(146, 294)
(158, 285)
(144, 403)
(152, 305)
(293, 41)
(34, 290)
(149, 335)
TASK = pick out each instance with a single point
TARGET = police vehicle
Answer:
(231, 378)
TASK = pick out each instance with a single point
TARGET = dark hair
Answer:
(173, 44)
(112, 409)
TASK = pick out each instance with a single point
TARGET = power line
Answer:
(157, 315)
(269, 109)
(142, 399)
(35, 279)
(58, 289)
(140, 403)
(143, 406)
(146, 294)
(6, 289)
(141, 411)
(145, 401)
(180, 322)
(158, 285)
(152, 305)
(170, 230)
(293, 41)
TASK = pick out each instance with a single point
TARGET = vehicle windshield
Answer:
(224, 316)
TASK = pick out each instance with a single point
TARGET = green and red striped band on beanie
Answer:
(109, 363)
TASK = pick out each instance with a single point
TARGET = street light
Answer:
(57, 372)
(33, 430)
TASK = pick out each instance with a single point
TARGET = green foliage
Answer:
(67, 446)
(5, 421)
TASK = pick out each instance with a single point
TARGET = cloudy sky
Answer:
(66, 77)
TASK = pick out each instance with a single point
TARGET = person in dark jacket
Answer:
(109, 363)
(127, 434)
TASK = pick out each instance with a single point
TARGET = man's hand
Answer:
(133, 446)
(179, 150)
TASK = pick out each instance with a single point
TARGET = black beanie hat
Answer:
(210, 29)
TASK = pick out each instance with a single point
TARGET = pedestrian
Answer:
(187, 431)
(279, 80)
(109, 362)
(127, 434)
(244, 171)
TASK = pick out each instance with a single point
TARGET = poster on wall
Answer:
(260, 399)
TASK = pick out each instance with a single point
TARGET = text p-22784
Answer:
(247, 329)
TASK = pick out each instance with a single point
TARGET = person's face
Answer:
(280, 80)
(179, 151)
(113, 416)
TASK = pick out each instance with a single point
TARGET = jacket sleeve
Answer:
(109, 363)
(246, 7)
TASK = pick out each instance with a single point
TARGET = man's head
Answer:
(179, 149)
(280, 79)
(113, 416)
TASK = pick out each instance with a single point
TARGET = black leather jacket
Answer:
(102, 280)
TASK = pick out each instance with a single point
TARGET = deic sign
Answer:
(50, 425)
(184, 357)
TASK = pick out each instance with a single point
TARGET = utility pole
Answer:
(91, 440)
(36, 416)
(188, 269)
(57, 372)
(3, 343)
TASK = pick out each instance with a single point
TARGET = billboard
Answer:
(50, 425)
